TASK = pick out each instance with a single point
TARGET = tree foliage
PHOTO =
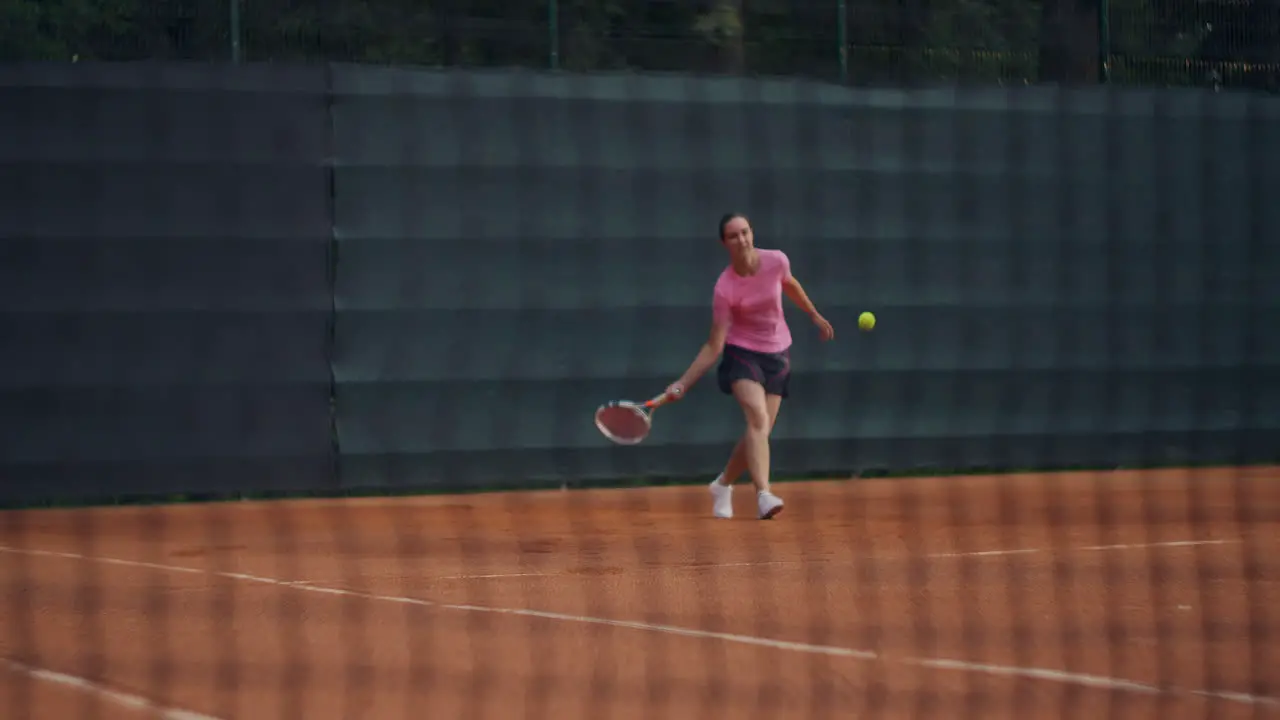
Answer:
(1157, 42)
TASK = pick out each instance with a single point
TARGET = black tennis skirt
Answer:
(772, 370)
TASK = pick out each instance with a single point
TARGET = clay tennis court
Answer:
(1121, 594)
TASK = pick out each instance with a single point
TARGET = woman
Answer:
(749, 328)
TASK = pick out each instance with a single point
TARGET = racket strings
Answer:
(623, 423)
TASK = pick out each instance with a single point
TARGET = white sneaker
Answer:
(723, 494)
(769, 503)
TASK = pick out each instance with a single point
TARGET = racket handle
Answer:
(661, 399)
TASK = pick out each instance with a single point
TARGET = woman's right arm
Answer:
(711, 349)
(702, 362)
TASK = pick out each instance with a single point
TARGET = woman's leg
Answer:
(738, 458)
(755, 444)
(752, 451)
(759, 383)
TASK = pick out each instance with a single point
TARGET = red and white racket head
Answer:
(623, 422)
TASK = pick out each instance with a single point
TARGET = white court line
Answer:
(988, 553)
(765, 563)
(123, 699)
(1171, 543)
(1086, 548)
(496, 575)
(1058, 676)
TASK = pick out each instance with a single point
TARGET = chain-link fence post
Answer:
(842, 17)
(235, 29)
(1104, 41)
(553, 32)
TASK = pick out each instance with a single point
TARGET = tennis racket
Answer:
(626, 422)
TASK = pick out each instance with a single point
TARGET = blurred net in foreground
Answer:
(259, 280)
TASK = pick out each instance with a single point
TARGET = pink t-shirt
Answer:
(752, 306)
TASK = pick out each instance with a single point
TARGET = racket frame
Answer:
(643, 410)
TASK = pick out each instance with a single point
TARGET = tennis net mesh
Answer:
(371, 280)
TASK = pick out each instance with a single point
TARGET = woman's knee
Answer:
(755, 408)
(758, 427)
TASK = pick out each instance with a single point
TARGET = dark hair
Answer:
(726, 219)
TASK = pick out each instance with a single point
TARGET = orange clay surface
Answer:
(1081, 595)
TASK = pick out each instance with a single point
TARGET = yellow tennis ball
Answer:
(866, 321)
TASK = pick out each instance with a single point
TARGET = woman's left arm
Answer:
(795, 291)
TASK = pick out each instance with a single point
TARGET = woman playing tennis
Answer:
(748, 327)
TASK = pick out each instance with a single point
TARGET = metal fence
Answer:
(247, 279)
(1223, 43)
